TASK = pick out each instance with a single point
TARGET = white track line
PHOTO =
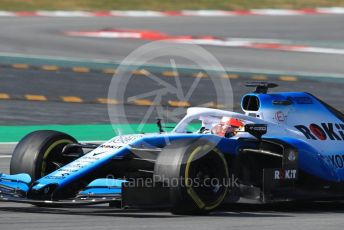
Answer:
(197, 13)
(5, 156)
(263, 44)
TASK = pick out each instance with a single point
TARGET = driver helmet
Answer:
(227, 127)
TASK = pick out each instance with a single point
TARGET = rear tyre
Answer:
(195, 172)
(40, 153)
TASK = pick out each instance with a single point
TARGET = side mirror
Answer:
(256, 130)
(159, 124)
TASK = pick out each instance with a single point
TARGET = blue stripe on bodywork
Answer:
(103, 186)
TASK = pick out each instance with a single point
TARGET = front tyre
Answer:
(196, 173)
(39, 153)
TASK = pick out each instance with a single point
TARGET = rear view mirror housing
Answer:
(256, 130)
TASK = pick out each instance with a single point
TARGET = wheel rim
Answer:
(52, 158)
(206, 178)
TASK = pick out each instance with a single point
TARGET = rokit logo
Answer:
(285, 174)
(324, 131)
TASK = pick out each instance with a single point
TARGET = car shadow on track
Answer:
(234, 210)
(288, 207)
(105, 211)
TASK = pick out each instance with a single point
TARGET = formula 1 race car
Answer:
(285, 147)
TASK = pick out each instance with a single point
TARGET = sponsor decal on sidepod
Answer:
(324, 131)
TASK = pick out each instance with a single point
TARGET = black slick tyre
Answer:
(195, 172)
(39, 153)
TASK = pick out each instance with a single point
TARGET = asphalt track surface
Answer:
(44, 36)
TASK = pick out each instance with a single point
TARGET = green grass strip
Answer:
(80, 132)
(98, 132)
